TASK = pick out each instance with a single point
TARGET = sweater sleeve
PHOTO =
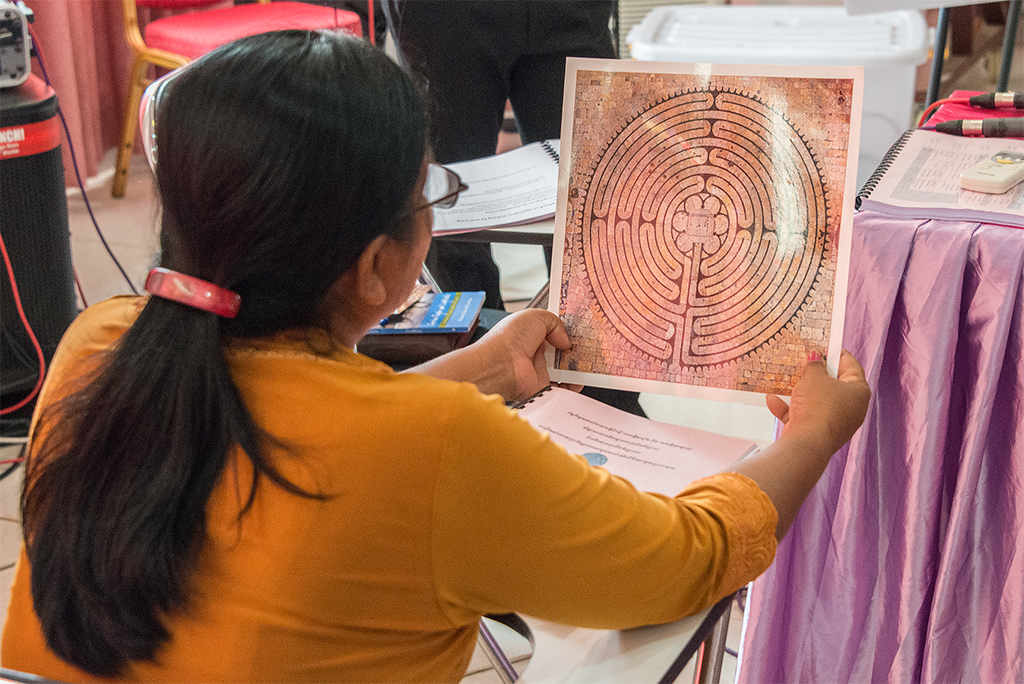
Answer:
(522, 525)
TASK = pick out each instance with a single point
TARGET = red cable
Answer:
(10, 461)
(938, 103)
(28, 329)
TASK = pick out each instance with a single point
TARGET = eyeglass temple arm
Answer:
(427, 277)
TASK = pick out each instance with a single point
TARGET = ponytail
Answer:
(115, 497)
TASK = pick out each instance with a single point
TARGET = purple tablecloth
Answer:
(904, 564)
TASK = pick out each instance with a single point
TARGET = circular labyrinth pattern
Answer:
(704, 227)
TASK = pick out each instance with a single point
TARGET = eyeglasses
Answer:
(441, 188)
(149, 104)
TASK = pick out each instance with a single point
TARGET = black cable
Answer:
(10, 469)
(74, 164)
(696, 639)
(14, 466)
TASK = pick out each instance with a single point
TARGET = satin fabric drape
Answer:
(904, 564)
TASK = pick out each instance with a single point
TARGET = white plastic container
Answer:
(889, 46)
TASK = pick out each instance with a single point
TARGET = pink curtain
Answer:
(88, 61)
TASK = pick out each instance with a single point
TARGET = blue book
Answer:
(437, 323)
(435, 313)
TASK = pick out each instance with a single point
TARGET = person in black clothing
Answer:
(472, 56)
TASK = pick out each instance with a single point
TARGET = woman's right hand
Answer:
(824, 409)
(822, 416)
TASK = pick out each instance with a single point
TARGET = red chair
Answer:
(173, 41)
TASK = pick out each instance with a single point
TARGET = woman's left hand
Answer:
(508, 360)
(515, 349)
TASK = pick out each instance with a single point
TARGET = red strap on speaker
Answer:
(25, 140)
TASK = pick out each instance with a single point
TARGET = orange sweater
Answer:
(445, 505)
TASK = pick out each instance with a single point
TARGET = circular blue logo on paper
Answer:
(595, 459)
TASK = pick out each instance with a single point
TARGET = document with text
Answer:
(920, 178)
(655, 457)
(507, 189)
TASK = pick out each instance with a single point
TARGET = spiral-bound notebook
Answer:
(653, 456)
(919, 177)
(507, 189)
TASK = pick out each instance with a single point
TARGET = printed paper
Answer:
(702, 232)
(655, 457)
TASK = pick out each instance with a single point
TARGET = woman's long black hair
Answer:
(279, 158)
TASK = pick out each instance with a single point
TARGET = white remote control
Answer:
(995, 175)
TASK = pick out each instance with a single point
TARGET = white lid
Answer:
(778, 35)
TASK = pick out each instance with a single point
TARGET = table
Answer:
(564, 654)
(905, 563)
(538, 233)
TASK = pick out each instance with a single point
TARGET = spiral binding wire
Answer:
(876, 176)
(552, 152)
(531, 399)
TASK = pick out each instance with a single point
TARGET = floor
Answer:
(129, 225)
(10, 529)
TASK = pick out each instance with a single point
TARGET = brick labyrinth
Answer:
(704, 227)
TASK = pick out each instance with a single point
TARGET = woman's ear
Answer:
(371, 279)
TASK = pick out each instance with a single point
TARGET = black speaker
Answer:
(34, 228)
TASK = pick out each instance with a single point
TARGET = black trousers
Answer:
(472, 55)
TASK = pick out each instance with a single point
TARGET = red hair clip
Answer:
(194, 292)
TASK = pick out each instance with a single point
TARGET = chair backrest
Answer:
(132, 31)
(177, 4)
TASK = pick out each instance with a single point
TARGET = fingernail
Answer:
(814, 356)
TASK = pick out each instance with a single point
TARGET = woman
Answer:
(220, 488)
